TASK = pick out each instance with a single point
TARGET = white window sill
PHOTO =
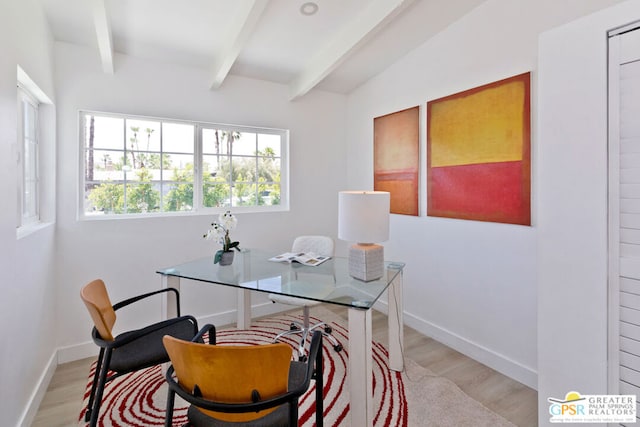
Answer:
(28, 229)
(202, 212)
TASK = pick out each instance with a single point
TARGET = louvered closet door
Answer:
(624, 145)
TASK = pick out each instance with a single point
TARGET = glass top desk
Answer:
(328, 282)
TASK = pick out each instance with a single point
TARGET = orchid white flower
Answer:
(227, 220)
(219, 232)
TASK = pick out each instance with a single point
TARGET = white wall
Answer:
(472, 285)
(572, 180)
(126, 253)
(469, 284)
(27, 301)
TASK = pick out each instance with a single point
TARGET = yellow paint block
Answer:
(480, 127)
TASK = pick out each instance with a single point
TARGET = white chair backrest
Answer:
(319, 245)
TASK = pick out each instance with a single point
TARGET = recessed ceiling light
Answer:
(309, 8)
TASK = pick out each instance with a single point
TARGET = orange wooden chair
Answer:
(248, 385)
(129, 351)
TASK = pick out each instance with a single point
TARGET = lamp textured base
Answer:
(366, 261)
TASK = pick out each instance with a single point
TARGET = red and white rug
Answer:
(139, 398)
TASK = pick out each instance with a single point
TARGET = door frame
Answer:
(613, 202)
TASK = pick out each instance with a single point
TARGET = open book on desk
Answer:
(301, 257)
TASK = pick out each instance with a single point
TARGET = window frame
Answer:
(198, 199)
(25, 97)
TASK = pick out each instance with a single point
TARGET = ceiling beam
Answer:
(103, 33)
(355, 33)
(241, 29)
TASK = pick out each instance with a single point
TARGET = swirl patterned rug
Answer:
(415, 397)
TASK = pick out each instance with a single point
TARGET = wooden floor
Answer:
(511, 399)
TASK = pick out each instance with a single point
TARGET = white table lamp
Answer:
(363, 217)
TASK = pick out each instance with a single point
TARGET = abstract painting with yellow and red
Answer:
(396, 158)
(479, 153)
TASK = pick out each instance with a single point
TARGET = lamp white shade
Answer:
(363, 216)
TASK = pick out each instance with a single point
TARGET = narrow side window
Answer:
(28, 159)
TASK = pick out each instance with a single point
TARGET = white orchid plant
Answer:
(219, 232)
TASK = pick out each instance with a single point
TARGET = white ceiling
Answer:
(337, 49)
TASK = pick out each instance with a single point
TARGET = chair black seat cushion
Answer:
(278, 418)
(148, 350)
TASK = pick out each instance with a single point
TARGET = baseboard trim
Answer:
(75, 352)
(33, 404)
(486, 356)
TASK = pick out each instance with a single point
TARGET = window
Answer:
(146, 166)
(36, 157)
(28, 181)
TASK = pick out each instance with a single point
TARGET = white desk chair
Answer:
(319, 245)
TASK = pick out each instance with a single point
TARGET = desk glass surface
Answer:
(328, 282)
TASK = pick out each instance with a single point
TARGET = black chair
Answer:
(241, 385)
(129, 351)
